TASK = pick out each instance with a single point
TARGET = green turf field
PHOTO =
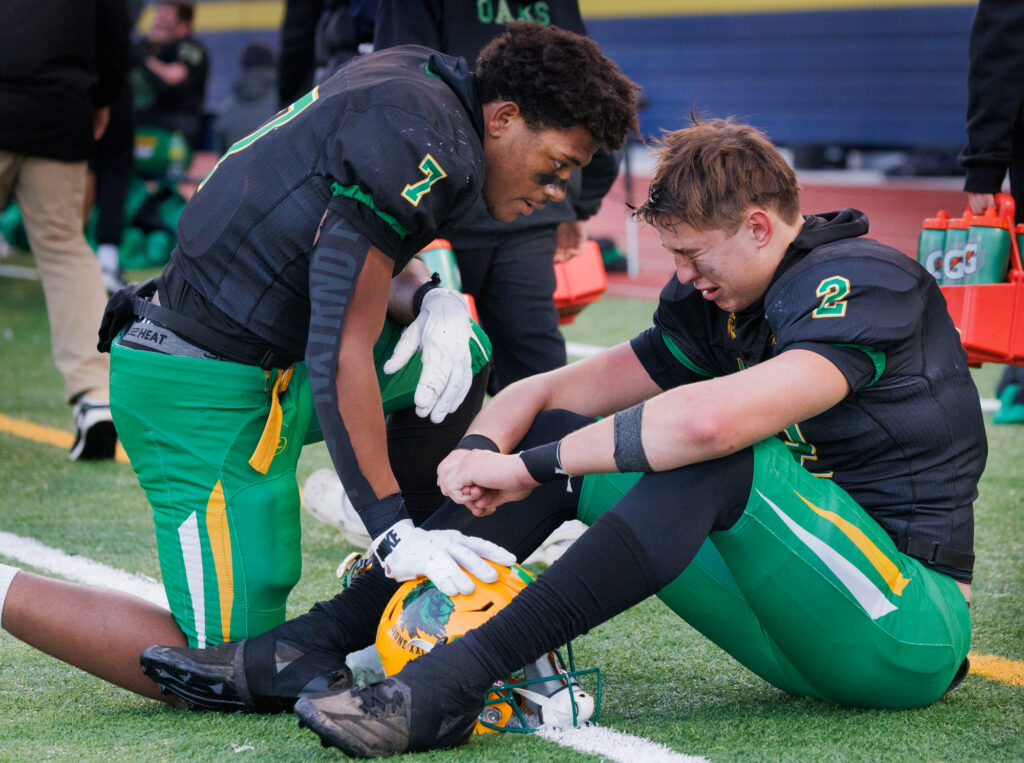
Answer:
(662, 681)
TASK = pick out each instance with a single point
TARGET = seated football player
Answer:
(276, 312)
(788, 458)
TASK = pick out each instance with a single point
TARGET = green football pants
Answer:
(214, 445)
(810, 593)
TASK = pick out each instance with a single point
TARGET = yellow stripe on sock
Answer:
(997, 668)
(889, 572)
(47, 435)
(220, 546)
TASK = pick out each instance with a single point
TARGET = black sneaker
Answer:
(377, 720)
(95, 437)
(213, 679)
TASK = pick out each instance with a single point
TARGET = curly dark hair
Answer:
(559, 80)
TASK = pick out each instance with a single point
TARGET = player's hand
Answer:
(441, 332)
(481, 480)
(572, 235)
(100, 120)
(979, 202)
(444, 556)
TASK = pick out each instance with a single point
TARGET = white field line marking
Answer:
(615, 745)
(19, 271)
(80, 569)
(578, 350)
(606, 742)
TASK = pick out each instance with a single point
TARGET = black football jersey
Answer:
(908, 442)
(391, 142)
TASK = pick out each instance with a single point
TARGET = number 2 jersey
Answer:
(391, 143)
(908, 442)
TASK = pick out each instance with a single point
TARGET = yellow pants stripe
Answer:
(220, 546)
(889, 572)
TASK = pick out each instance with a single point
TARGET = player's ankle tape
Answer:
(543, 462)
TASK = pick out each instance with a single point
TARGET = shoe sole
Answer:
(199, 691)
(312, 719)
(98, 441)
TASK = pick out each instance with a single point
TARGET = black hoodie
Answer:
(59, 61)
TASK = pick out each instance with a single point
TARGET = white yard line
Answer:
(19, 271)
(31, 552)
(615, 745)
(577, 350)
(602, 741)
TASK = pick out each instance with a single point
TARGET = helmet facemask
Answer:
(419, 616)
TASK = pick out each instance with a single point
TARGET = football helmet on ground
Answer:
(419, 616)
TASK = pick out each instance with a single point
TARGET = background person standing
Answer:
(61, 64)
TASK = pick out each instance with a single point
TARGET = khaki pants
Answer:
(51, 195)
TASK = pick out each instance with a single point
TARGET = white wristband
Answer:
(7, 574)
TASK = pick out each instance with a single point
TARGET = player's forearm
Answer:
(359, 406)
(171, 74)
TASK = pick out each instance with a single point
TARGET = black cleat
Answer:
(377, 720)
(213, 679)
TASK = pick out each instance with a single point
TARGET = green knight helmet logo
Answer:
(424, 619)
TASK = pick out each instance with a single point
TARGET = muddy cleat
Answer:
(213, 679)
(204, 679)
(376, 721)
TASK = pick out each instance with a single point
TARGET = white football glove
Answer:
(441, 332)
(407, 552)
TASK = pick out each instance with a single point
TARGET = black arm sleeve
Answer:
(336, 262)
(995, 93)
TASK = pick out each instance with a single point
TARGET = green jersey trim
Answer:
(877, 359)
(681, 357)
(358, 194)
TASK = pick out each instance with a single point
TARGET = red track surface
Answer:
(895, 209)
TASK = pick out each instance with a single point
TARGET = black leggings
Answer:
(641, 544)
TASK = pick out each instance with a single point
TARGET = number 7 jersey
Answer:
(391, 142)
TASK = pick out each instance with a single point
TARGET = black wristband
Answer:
(478, 442)
(421, 292)
(382, 514)
(629, 445)
(543, 462)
